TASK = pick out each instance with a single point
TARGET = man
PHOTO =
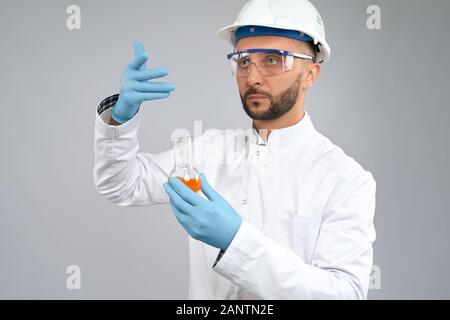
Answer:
(291, 217)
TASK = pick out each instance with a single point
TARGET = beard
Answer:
(279, 104)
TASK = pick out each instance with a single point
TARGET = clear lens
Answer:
(267, 63)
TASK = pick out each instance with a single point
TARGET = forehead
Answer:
(269, 42)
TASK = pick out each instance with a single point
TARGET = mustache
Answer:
(254, 91)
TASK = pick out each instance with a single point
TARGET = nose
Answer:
(254, 77)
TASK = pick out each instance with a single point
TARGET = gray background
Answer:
(383, 98)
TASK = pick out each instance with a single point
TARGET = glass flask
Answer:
(183, 163)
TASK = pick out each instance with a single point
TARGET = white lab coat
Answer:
(307, 209)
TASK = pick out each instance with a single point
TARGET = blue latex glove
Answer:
(212, 221)
(134, 87)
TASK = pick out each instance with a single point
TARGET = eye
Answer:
(243, 62)
(272, 60)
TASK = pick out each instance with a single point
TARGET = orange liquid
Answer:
(193, 184)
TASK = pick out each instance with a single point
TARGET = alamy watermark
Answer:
(233, 146)
(73, 281)
(375, 278)
(73, 21)
(374, 19)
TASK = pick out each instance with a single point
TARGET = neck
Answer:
(290, 118)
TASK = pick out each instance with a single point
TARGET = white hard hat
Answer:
(297, 15)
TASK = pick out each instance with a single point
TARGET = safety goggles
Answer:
(269, 62)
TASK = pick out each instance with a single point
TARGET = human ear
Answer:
(312, 73)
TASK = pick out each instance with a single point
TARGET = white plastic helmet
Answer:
(298, 15)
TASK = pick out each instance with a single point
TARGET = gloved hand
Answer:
(134, 88)
(212, 221)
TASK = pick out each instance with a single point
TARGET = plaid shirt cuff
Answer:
(219, 256)
(107, 103)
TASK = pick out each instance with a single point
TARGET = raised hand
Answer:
(135, 87)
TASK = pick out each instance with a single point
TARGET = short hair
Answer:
(309, 48)
(312, 50)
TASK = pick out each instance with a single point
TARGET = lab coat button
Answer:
(244, 201)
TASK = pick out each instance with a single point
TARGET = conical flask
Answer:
(183, 168)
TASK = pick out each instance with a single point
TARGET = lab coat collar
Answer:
(299, 134)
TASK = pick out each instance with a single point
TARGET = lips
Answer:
(256, 96)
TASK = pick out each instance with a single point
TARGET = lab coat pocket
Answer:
(297, 232)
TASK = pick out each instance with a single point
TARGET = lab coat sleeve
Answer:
(341, 263)
(122, 173)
